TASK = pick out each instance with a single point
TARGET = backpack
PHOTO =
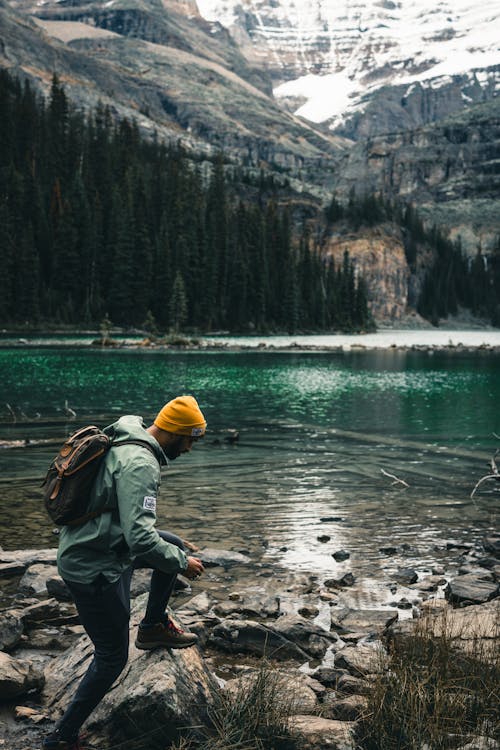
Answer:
(71, 474)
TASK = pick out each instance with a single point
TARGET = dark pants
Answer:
(104, 610)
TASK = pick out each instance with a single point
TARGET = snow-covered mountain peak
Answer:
(327, 55)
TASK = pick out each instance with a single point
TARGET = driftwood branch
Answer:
(495, 474)
(69, 411)
(396, 479)
(12, 412)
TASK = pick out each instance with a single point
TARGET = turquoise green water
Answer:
(315, 431)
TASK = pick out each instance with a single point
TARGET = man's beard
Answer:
(172, 451)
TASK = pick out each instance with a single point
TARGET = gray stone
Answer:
(311, 638)
(17, 677)
(225, 558)
(50, 610)
(492, 545)
(350, 708)
(406, 576)
(334, 583)
(29, 557)
(323, 734)
(159, 689)
(364, 620)
(481, 743)
(291, 690)
(49, 639)
(362, 659)
(58, 589)
(11, 629)
(388, 550)
(470, 588)
(34, 580)
(341, 555)
(328, 676)
(247, 636)
(12, 569)
(199, 604)
(349, 685)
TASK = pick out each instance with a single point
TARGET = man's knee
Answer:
(110, 666)
(172, 538)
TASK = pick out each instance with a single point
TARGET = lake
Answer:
(316, 430)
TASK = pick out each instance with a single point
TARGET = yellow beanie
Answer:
(182, 415)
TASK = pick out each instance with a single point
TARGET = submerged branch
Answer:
(396, 479)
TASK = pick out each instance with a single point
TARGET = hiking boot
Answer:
(54, 742)
(164, 634)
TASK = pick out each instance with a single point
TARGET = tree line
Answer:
(98, 222)
(452, 280)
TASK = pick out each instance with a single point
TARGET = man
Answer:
(96, 559)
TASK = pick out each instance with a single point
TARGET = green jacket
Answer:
(127, 483)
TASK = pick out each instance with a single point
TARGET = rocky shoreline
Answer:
(327, 654)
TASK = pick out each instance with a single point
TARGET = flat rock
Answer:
(199, 604)
(225, 558)
(364, 620)
(27, 557)
(362, 659)
(471, 588)
(9, 570)
(50, 611)
(17, 677)
(323, 734)
(34, 580)
(248, 636)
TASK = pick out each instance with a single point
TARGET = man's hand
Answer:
(194, 568)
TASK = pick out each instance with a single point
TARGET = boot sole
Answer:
(158, 644)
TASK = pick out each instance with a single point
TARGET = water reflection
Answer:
(315, 432)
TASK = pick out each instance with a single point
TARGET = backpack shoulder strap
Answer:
(143, 443)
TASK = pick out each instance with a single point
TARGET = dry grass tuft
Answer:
(439, 689)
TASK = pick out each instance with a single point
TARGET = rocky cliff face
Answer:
(372, 67)
(379, 256)
(450, 171)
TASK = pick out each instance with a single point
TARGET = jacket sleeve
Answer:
(136, 484)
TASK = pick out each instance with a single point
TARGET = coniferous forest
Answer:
(97, 222)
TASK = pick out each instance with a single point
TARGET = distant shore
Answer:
(435, 339)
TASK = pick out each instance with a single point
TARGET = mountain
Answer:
(371, 67)
(164, 65)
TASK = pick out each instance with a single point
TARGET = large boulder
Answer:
(158, 692)
(17, 677)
